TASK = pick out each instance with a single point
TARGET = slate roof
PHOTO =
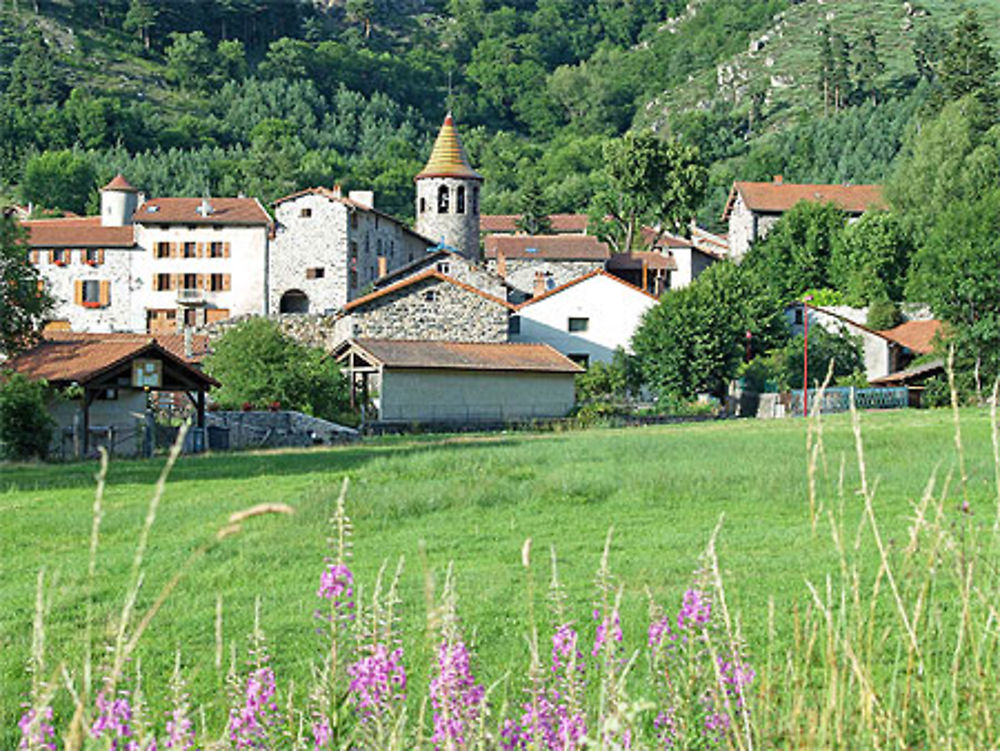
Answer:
(69, 357)
(448, 158)
(416, 279)
(227, 211)
(778, 197)
(916, 336)
(502, 357)
(77, 232)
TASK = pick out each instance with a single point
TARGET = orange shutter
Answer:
(176, 280)
(225, 250)
(200, 250)
(174, 250)
(33, 256)
(78, 292)
(156, 282)
(226, 282)
(52, 256)
(100, 255)
(105, 294)
(216, 314)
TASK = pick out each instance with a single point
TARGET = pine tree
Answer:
(867, 65)
(534, 220)
(825, 66)
(141, 17)
(969, 65)
(928, 48)
(840, 79)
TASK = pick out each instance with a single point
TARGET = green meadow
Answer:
(471, 500)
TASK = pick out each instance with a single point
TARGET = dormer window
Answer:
(443, 199)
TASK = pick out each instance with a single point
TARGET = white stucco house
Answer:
(586, 319)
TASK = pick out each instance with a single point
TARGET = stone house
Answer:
(428, 306)
(753, 208)
(154, 265)
(586, 319)
(457, 382)
(329, 249)
(452, 264)
(534, 264)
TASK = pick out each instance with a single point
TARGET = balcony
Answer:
(190, 296)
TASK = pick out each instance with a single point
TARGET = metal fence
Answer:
(838, 399)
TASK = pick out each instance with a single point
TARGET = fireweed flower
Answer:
(37, 732)
(114, 717)
(180, 733)
(608, 627)
(378, 681)
(455, 695)
(337, 585)
(251, 724)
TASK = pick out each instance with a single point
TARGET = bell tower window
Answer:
(443, 199)
(460, 200)
(423, 205)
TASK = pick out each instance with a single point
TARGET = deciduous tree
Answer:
(23, 301)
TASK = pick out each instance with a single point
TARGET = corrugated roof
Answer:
(561, 223)
(67, 357)
(77, 232)
(238, 211)
(420, 355)
(547, 247)
(583, 278)
(916, 336)
(778, 197)
(416, 279)
(448, 157)
(120, 183)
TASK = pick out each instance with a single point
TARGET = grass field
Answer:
(472, 500)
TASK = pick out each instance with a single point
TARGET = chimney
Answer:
(779, 179)
(501, 264)
(204, 208)
(337, 192)
(539, 288)
(382, 266)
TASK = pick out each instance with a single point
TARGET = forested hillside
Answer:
(266, 96)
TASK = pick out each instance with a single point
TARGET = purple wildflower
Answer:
(455, 696)
(322, 734)
(36, 730)
(337, 585)
(180, 733)
(250, 724)
(114, 717)
(608, 627)
(377, 682)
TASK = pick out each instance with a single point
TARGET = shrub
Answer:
(883, 314)
(25, 425)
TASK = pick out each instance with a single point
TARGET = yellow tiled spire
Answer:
(448, 157)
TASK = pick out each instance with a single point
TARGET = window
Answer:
(316, 273)
(91, 295)
(514, 325)
(190, 281)
(305, 213)
(163, 250)
(163, 282)
(191, 317)
(423, 205)
(215, 250)
(216, 283)
(60, 257)
(93, 256)
(431, 295)
(460, 200)
(444, 267)
(190, 250)
(798, 316)
(578, 324)
(582, 360)
(443, 199)
(354, 220)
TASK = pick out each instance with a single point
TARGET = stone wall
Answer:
(124, 311)
(460, 231)
(521, 273)
(323, 331)
(255, 429)
(431, 310)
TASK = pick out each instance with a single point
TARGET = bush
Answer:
(883, 314)
(25, 425)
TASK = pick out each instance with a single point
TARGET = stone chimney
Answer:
(501, 264)
(337, 192)
(188, 343)
(383, 266)
(539, 288)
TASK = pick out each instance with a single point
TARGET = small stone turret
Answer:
(119, 201)
(448, 195)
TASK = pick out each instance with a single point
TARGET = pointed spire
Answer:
(448, 157)
(120, 183)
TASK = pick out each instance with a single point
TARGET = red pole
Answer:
(805, 362)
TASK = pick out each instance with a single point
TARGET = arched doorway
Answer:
(294, 301)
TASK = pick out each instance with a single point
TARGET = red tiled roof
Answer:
(77, 232)
(120, 183)
(547, 247)
(507, 223)
(236, 211)
(916, 336)
(775, 198)
(421, 355)
(638, 258)
(583, 278)
(417, 278)
(173, 343)
(68, 356)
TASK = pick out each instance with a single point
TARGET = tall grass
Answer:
(892, 650)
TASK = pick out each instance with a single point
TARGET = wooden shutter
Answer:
(225, 250)
(216, 314)
(199, 250)
(33, 257)
(52, 256)
(100, 255)
(156, 282)
(226, 284)
(175, 250)
(78, 292)
(175, 281)
(105, 294)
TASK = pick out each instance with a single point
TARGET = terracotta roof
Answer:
(120, 183)
(585, 277)
(65, 357)
(507, 223)
(547, 247)
(77, 232)
(525, 358)
(775, 197)
(237, 211)
(916, 336)
(448, 157)
(173, 343)
(637, 258)
(416, 279)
